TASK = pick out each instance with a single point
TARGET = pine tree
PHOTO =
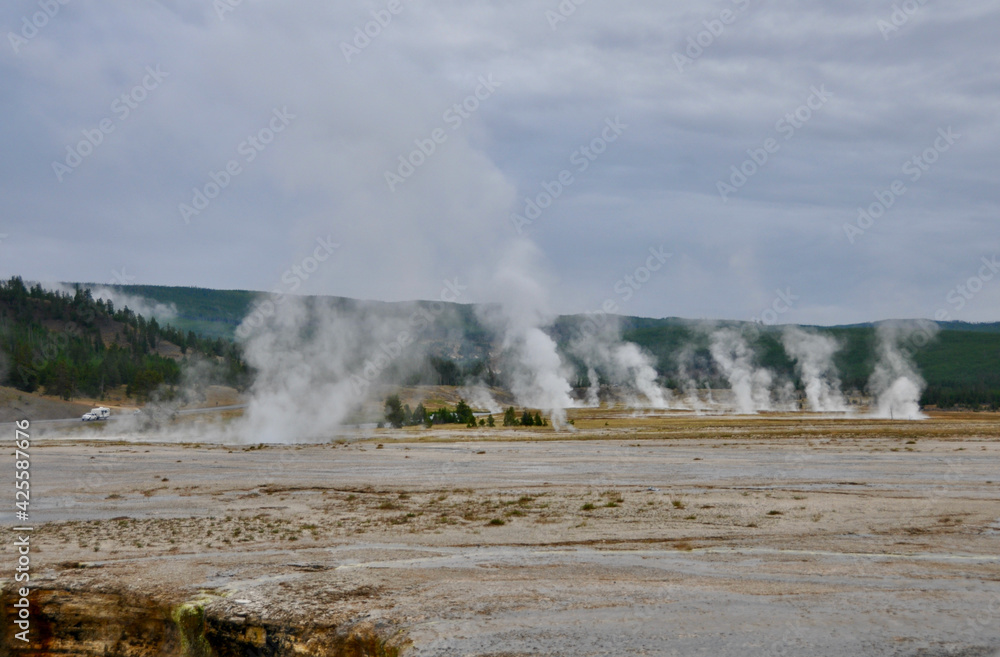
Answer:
(419, 415)
(463, 413)
(394, 411)
(510, 417)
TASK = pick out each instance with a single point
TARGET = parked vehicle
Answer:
(99, 413)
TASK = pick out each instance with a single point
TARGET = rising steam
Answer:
(895, 383)
(148, 308)
(315, 364)
(813, 355)
(751, 385)
(623, 364)
(538, 376)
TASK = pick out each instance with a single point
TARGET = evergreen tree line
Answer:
(961, 396)
(53, 341)
(510, 419)
(399, 415)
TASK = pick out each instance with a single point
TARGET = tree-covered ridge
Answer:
(72, 344)
(961, 367)
(212, 313)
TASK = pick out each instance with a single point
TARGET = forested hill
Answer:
(105, 346)
(72, 344)
(962, 366)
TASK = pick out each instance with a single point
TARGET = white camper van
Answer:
(99, 413)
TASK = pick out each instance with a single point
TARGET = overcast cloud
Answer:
(872, 87)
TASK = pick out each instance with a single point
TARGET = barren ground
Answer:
(665, 535)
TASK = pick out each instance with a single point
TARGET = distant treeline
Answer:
(55, 342)
(399, 415)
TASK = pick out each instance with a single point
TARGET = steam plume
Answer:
(751, 386)
(895, 383)
(594, 392)
(315, 365)
(539, 376)
(813, 355)
(624, 364)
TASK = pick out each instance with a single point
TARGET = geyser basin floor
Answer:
(766, 543)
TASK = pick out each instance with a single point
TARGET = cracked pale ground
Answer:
(665, 535)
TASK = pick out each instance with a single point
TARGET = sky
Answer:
(815, 162)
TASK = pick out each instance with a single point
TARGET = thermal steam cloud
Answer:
(623, 363)
(813, 355)
(750, 385)
(317, 363)
(689, 384)
(137, 304)
(538, 376)
(309, 358)
(479, 397)
(895, 383)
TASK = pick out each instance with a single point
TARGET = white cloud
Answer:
(324, 176)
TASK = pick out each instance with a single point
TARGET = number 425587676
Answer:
(22, 441)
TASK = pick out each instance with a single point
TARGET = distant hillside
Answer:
(962, 366)
(73, 344)
(209, 313)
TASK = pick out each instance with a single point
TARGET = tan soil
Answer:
(646, 535)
